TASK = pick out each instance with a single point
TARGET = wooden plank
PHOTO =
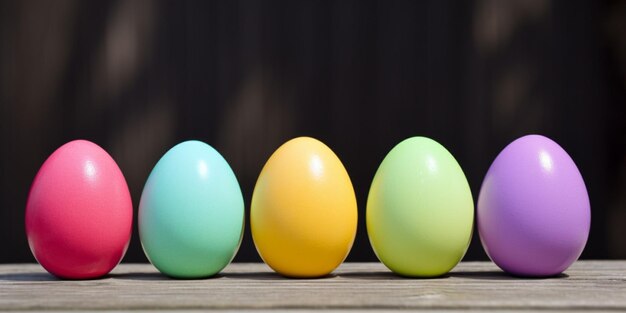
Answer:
(587, 285)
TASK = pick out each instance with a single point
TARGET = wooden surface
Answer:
(588, 285)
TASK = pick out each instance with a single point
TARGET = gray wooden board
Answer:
(587, 285)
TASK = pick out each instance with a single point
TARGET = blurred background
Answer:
(137, 77)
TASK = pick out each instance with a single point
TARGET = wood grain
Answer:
(587, 285)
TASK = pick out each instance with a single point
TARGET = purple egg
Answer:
(533, 210)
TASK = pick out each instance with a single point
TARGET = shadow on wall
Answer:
(137, 77)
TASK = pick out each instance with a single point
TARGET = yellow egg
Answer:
(304, 213)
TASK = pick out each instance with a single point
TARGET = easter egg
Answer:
(303, 214)
(419, 209)
(79, 212)
(533, 210)
(191, 212)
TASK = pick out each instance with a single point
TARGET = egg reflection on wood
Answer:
(304, 213)
(191, 212)
(79, 212)
(420, 210)
(533, 209)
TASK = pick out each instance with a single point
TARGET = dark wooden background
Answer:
(137, 77)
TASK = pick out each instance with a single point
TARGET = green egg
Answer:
(420, 210)
(191, 213)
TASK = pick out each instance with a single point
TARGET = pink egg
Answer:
(79, 212)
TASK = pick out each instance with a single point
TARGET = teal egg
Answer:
(191, 212)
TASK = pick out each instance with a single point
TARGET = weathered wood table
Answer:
(587, 285)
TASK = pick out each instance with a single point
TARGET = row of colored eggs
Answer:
(533, 210)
